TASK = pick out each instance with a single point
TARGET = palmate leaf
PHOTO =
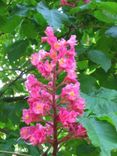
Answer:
(53, 17)
(101, 134)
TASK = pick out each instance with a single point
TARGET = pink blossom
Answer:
(72, 41)
(49, 128)
(37, 57)
(71, 77)
(31, 82)
(78, 105)
(38, 136)
(47, 105)
(67, 64)
(45, 68)
(29, 116)
(70, 92)
(49, 31)
(40, 108)
(67, 117)
(51, 38)
(26, 132)
(79, 131)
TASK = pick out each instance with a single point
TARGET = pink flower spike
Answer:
(54, 99)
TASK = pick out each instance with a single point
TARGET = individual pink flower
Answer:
(78, 105)
(70, 92)
(51, 38)
(49, 128)
(67, 64)
(29, 116)
(40, 108)
(26, 132)
(31, 82)
(38, 136)
(45, 68)
(79, 131)
(37, 57)
(67, 117)
(71, 77)
(72, 41)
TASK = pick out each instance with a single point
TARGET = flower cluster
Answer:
(49, 109)
(72, 4)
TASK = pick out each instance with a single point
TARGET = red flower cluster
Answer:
(51, 110)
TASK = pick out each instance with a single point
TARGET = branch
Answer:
(12, 82)
(16, 153)
(13, 99)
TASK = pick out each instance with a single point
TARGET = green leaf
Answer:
(61, 77)
(103, 102)
(111, 118)
(28, 29)
(106, 12)
(112, 32)
(53, 17)
(88, 83)
(17, 50)
(83, 64)
(21, 10)
(3, 8)
(101, 134)
(10, 24)
(100, 58)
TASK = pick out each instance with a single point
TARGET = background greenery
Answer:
(22, 23)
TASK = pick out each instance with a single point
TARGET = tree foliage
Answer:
(22, 24)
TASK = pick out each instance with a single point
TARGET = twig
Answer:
(13, 99)
(12, 82)
(10, 152)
